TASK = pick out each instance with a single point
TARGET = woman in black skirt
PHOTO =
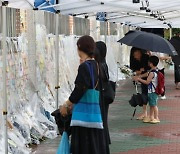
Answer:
(100, 57)
(86, 140)
(177, 75)
(139, 65)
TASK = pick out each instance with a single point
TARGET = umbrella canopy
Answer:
(148, 41)
(43, 3)
(138, 99)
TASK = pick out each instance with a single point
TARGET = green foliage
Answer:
(166, 33)
(175, 31)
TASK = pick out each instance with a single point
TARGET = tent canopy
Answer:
(153, 13)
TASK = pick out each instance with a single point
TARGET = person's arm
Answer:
(144, 75)
(149, 79)
(82, 83)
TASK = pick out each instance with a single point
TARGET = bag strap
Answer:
(98, 76)
(155, 71)
(136, 87)
(91, 71)
(105, 69)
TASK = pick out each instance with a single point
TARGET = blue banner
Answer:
(101, 16)
(42, 3)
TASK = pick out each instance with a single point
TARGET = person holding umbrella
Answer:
(152, 82)
(139, 65)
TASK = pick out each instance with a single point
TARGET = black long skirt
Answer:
(177, 74)
(88, 141)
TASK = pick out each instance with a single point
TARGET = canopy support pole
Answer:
(170, 33)
(4, 54)
(57, 61)
(106, 31)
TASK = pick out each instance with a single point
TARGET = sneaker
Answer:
(154, 121)
(163, 97)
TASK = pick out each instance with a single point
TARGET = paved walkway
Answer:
(133, 136)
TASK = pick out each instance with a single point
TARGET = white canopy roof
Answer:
(21, 4)
(120, 11)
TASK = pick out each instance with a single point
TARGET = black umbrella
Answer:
(138, 99)
(148, 41)
(175, 41)
(63, 123)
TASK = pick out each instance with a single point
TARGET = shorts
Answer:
(152, 99)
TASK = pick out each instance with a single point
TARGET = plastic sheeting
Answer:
(29, 119)
(29, 111)
(31, 81)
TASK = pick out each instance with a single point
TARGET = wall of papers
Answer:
(31, 75)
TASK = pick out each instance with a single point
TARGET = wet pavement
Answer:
(133, 136)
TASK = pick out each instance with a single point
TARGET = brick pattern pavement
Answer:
(133, 136)
(136, 137)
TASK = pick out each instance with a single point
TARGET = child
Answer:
(152, 96)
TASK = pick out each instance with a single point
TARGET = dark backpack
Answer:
(160, 83)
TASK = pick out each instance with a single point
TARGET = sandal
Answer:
(154, 121)
(146, 120)
(140, 118)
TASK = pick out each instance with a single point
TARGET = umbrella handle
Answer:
(133, 114)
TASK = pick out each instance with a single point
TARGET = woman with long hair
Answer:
(86, 140)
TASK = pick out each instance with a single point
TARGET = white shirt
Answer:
(152, 86)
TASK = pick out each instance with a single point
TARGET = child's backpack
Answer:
(160, 83)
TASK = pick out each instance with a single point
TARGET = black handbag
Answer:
(108, 87)
(108, 92)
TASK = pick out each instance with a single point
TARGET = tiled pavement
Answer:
(132, 136)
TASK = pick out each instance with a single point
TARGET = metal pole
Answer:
(170, 33)
(57, 60)
(4, 54)
(106, 31)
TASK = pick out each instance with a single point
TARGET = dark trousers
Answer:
(177, 74)
(162, 71)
